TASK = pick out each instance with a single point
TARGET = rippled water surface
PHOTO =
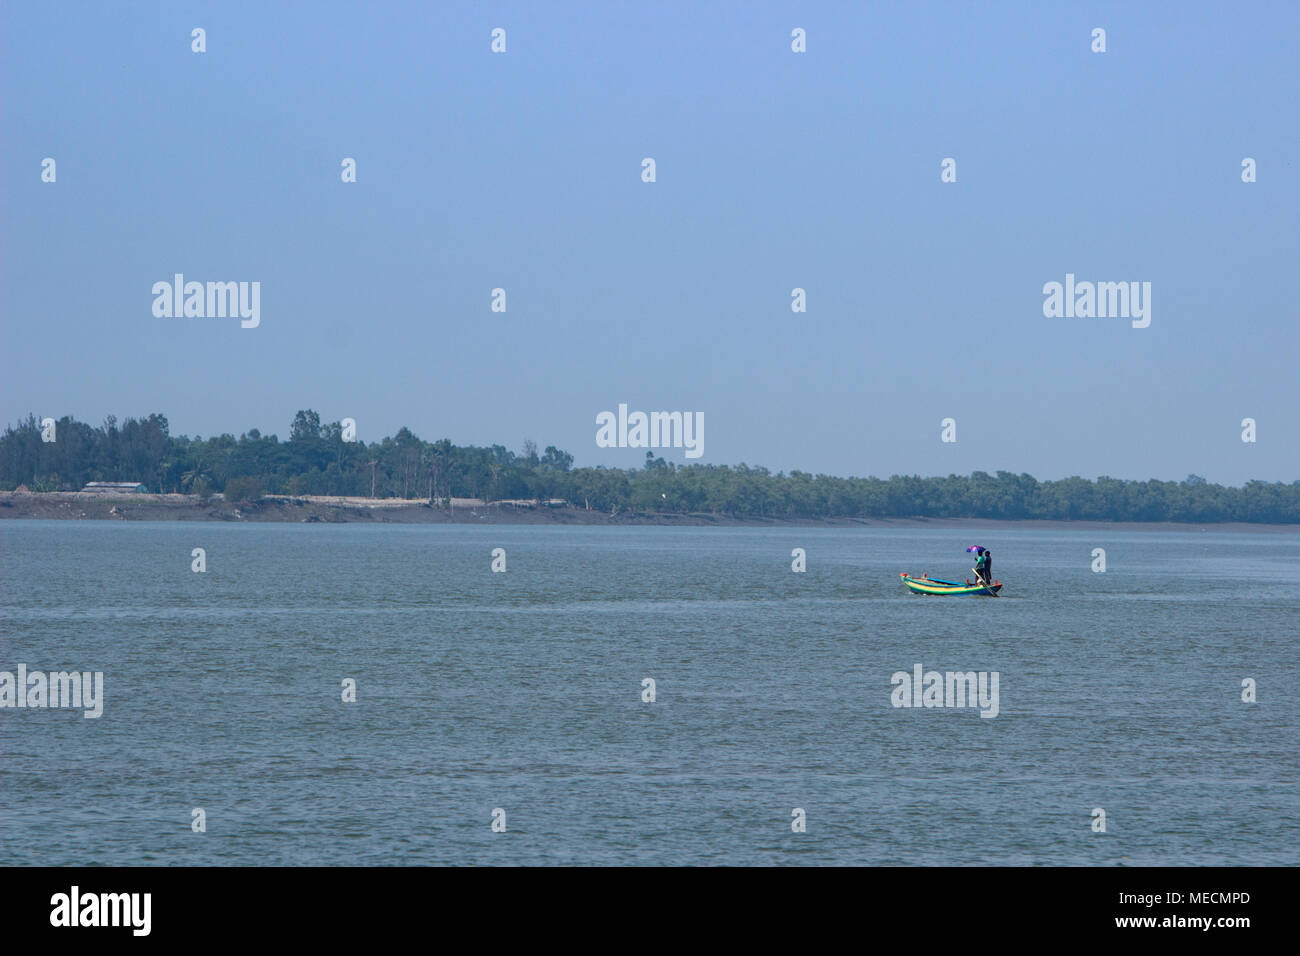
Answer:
(522, 691)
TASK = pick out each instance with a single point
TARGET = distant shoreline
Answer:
(89, 506)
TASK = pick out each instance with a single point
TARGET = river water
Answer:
(523, 692)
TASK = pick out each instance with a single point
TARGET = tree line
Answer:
(316, 460)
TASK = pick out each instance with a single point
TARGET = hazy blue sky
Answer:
(775, 170)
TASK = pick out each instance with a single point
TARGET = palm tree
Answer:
(198, 472)
(437, 460)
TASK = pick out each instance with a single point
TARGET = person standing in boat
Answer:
(987, 558)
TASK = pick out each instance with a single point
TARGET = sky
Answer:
(774, 170)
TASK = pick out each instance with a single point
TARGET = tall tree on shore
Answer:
(306, 426)
(439, 453)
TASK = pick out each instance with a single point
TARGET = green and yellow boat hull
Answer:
(925, 585)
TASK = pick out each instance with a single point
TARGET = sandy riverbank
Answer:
(78, 505)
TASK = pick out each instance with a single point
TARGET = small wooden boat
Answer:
(925, 585)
